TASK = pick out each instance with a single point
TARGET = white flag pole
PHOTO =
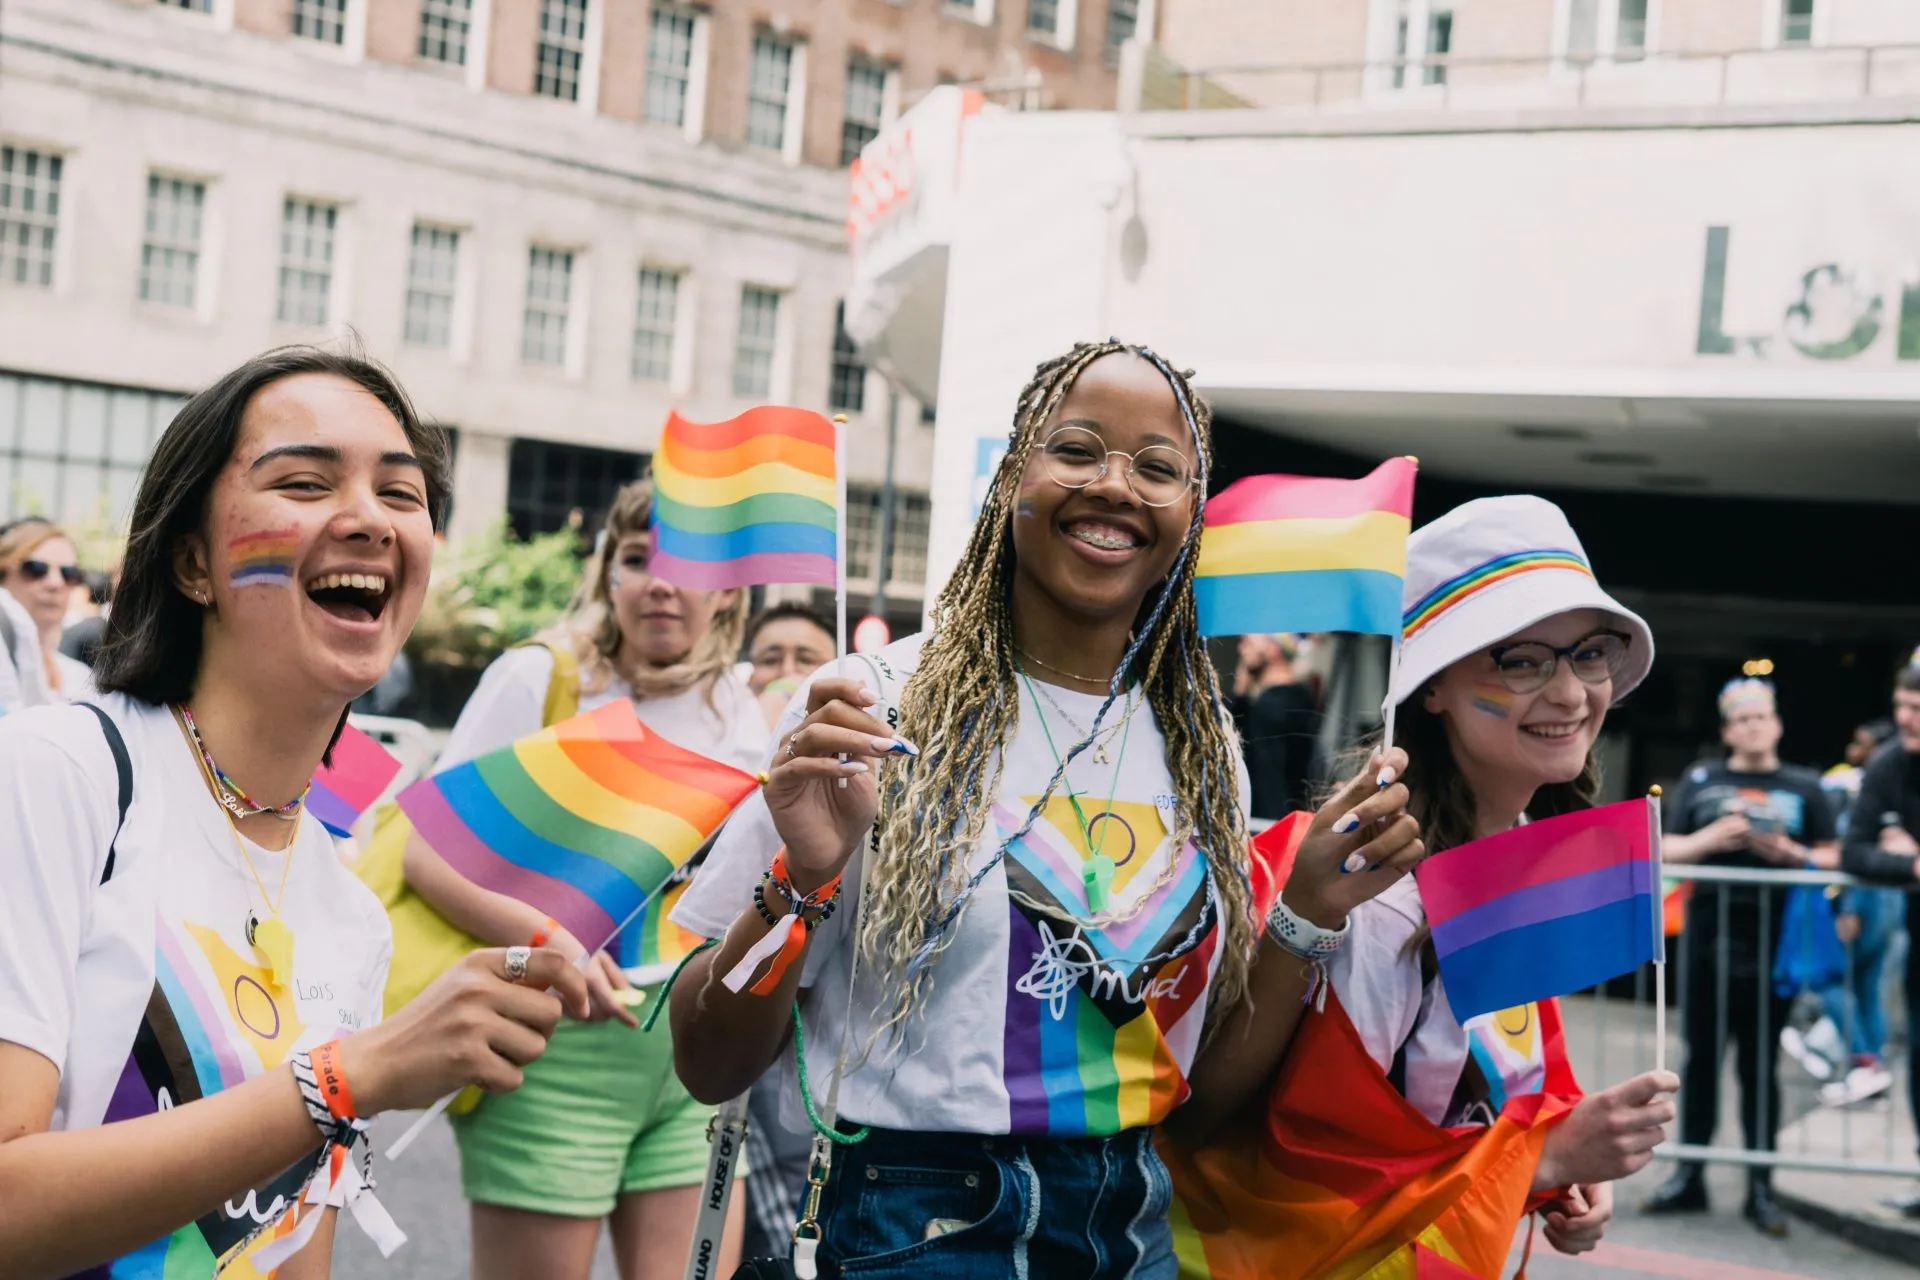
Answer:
(840, 541)
(1393, 664)
(1659, 934)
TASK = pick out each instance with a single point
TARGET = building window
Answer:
(563, 46)
(543, 338)
(1439, 45)
(444, 25)
(433, 267)
(753, 349)
(170, 249)
(847, 392)
(548, 484)
(907, 551)
(192, 6)
(653, 324)
(1796, 21)
(1043, 18)
(669, 65)
(866, 107)
(768, 82)
(306, 260)
(74, 451)
(322, 20)
(1122, 17)
(1630, 31)
(29, 215)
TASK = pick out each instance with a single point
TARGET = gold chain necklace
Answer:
(1061, 671)
(270, 937)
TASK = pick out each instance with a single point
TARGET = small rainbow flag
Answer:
(343, 790)
(264, 558)
(747, 501)
(583, 820)
(1545, 909)
(1297, 553)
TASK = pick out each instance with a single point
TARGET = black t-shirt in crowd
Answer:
(1788, 800)
(1279, 727)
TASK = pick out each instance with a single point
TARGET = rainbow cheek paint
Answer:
(263, 559)
(1494, 699)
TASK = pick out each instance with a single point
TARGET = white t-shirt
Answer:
(23, 680)
(144, 990)
(1034, 1025)
(508, 705)
(1452, 1074)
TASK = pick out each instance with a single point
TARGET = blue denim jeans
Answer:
(1862, 1005)
(948, 1206)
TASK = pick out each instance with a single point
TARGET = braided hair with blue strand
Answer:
(962, 706)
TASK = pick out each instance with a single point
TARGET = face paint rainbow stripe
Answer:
(1494, 699)
(264, 559)
(1478, 579)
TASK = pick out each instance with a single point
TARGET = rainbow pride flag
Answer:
(347, 787)
(1545, 909)
(1297, 553)
(747, 501)
(583, 820)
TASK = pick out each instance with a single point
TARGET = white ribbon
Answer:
(350, 1190)
(765, 949)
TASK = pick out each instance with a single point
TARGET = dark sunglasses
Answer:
(34, 570)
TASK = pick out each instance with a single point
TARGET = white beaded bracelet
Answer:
(1298, 936)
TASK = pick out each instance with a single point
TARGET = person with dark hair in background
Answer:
(81, 639)
(1881, 844)
(785, 644)
(183, 959)
(1279, 721)
(1748, 810)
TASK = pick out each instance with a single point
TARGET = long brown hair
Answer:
(962, 705)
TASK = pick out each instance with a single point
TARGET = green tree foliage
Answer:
(492, 591)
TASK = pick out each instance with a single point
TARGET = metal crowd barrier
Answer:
(1815, 1135)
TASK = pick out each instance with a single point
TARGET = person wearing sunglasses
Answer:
(39, 569)
(1511, 657)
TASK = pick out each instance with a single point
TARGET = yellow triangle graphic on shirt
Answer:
(1129, 836)
(1518, 1029)
(264, 1013)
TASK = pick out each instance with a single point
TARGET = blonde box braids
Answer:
(962, 705)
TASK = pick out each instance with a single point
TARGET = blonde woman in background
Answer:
(39, 568)
(604, 1130)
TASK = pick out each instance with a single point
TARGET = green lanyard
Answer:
(1099, 872)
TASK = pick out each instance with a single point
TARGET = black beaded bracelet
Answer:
(798, 905)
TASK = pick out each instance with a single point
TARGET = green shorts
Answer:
(600, 1115)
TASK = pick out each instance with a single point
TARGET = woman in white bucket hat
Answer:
(1511, 656)
(1396, 1138)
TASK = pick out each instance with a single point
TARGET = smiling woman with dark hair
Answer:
(189, 979)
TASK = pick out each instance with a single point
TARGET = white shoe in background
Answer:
(1862, 1082)
(1797, 1048)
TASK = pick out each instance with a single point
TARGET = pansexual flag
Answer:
(582, 820)
(743, 502)
(1545, 909)
(1297, 553)
(346, 788)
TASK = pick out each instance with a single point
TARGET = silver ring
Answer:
(517, 958)
(791, 739)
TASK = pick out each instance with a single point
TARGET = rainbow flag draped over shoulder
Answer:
(1297, 553)
(582, 820)
(1335, 1176)
(751, 500)
(1548, 908)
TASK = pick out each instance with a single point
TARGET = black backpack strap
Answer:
(123, 771)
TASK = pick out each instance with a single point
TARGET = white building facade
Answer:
(178, 193)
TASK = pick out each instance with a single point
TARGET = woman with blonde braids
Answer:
(1060, 947)
(605, 1131)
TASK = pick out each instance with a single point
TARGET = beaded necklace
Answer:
(225, 789)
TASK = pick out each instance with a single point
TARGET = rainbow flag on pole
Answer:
(583, 820)
(751, 500)
(345, 788)
(1545, 909)
(1297, 553)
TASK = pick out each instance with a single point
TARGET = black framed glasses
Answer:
(1530, 666)
(1159, 475)
(34, 570)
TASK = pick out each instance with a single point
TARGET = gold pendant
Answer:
(273, 942)
(1100, 754)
